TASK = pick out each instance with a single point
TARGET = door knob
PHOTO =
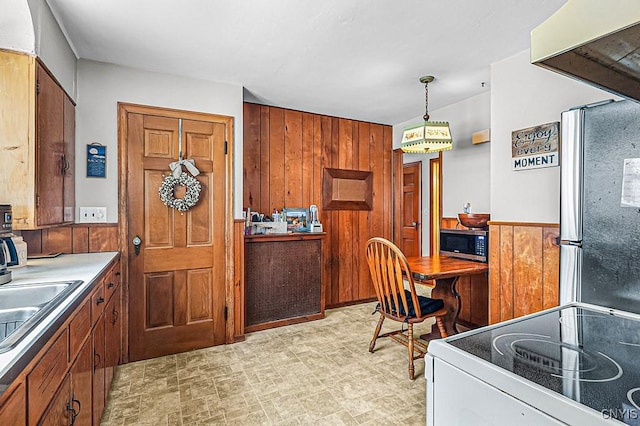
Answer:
(415, 224)
(136, 244)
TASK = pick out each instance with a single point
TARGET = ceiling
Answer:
(359, 59)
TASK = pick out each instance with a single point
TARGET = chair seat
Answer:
(427, 306)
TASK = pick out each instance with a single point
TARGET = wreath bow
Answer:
(176, 167)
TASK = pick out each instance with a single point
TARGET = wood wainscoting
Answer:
(524, 269)
(76, 238)
(285, 153)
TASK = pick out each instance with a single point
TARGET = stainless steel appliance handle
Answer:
(571, 172)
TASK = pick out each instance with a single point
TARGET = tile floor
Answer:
(319, 372)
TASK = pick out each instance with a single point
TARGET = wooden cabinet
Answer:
(113, 335)
(97, 338)
(13, 410)
(81, 386)
(46, 376)
(37, 136)
(69, 379)
(60, 411)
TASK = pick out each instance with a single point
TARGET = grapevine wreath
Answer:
(168, 186)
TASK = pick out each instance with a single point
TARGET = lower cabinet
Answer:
(70, 378)
(113, 335)
(13, 410)
(98, 370)
(59, 412)
(80, 398)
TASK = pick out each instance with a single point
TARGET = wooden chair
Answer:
(389, 271)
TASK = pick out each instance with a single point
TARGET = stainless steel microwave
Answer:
(467, 244)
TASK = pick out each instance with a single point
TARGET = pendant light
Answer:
(431, 136)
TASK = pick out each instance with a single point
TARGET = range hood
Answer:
(594, 41)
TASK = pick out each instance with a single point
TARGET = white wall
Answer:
(16, 27)
(525, 95)
(52, 47)
(101, 86)
(465, 168)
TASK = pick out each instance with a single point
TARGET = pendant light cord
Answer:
(426, 102)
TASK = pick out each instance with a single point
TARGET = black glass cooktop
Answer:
(589, 356)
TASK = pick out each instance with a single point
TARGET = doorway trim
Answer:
(435, 203)
(123, 208)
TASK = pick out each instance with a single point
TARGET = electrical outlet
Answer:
(93, 214)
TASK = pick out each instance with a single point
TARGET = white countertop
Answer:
(86, 267)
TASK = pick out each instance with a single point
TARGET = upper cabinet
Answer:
(37, 139)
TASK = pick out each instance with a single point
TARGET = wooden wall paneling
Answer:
(345, 218)
(527, 258)
(506, 272)
(80, 239)
(365, 286)
(479, 299)
(277, 184)
(376, 149)
(334, 150)
(307, 161)
(265, 170)
(398, 206)
(251, 157)
(56, 240)
(325, 146)
(103, 238)
(550, 267)
(495, 268)
(464, 289)
(355, 216)
(293, 176)
(316, 187)
(33, 240)
(524, 269)
(387, 143)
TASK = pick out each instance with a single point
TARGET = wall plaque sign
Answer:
(96, 160)
(535, 147)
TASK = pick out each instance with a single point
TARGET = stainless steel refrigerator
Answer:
(600, 205)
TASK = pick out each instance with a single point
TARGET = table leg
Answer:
(445, 289)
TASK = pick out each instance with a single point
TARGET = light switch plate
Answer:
(93, 214)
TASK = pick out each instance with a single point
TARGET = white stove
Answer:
(577, 364)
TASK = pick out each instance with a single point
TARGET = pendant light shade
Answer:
(430, 136)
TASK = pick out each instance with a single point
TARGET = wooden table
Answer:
(445, 271)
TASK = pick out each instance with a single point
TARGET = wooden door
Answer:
(435, 203)
(81, 386)
(113, 335)
(98, 370)
(411, 209)
(58, 414)
(50, 150)
(177, 280)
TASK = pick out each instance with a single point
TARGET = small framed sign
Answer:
(96, 160)
(535, 147)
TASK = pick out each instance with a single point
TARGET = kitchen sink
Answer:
(22, 307)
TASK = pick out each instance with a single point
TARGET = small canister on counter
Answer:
(21, 249)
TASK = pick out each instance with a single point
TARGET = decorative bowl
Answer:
(474, 220)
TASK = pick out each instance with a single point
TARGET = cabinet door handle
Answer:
(96, 364)
(100, 300)
(74, 413)
(110, 285)
(116, 314)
